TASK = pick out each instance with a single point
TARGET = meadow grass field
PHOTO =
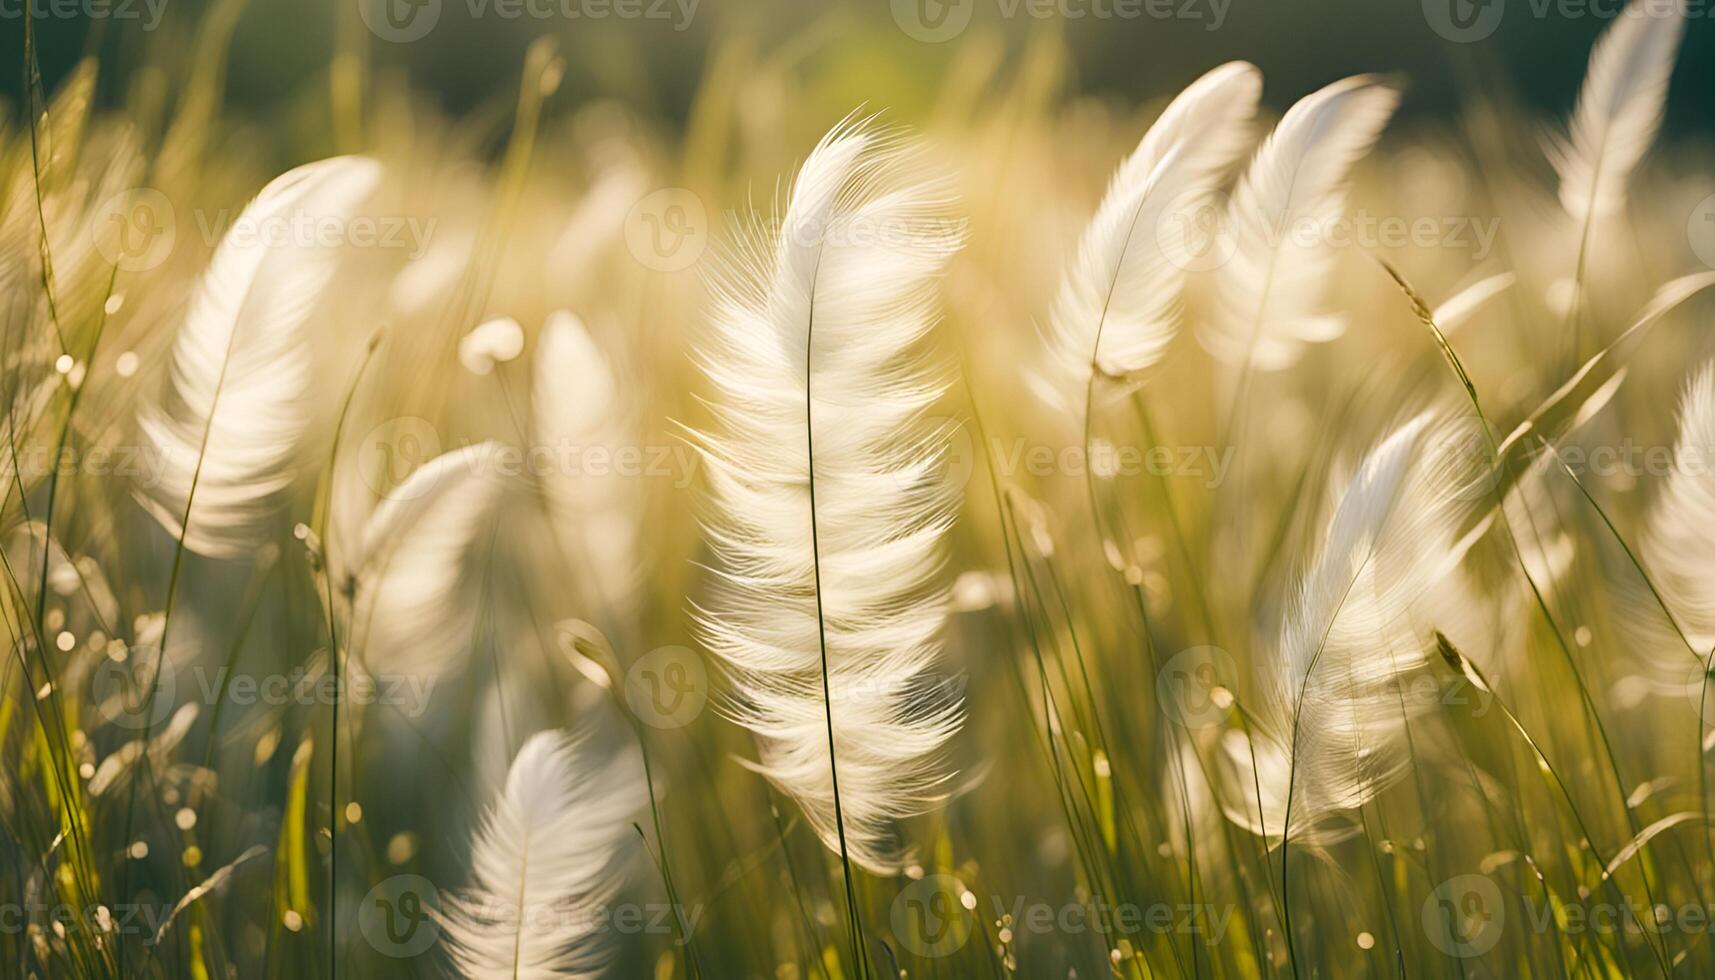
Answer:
(1237, 533)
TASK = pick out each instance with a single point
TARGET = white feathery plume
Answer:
(1619, 108)
(1118, 303)
(408, 575)
(545, 861)
(236, 403)
(578, 406)
(1329, 717)
(827, 510)
(1270, 289)
(1679, 539)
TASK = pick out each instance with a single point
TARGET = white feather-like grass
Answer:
(1619, 108)
(1329, 718)
(226, 432)
(827, 511)
(410, 572)
(1118, 303)
(578, 407)
(1679, 538)
(545, 861)
(1269, 291)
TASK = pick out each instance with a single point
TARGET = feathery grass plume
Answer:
(1329, 718)
(545, 861)
(1619, 108)
(1679, 537)
(1118, 303)
(1269, 290)
(407, 576)
(228, 425)
(826, 513)
(577, 404)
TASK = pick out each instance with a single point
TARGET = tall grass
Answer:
(1073, 553)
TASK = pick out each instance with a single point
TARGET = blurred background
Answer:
(593, 178)
(650, 54)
